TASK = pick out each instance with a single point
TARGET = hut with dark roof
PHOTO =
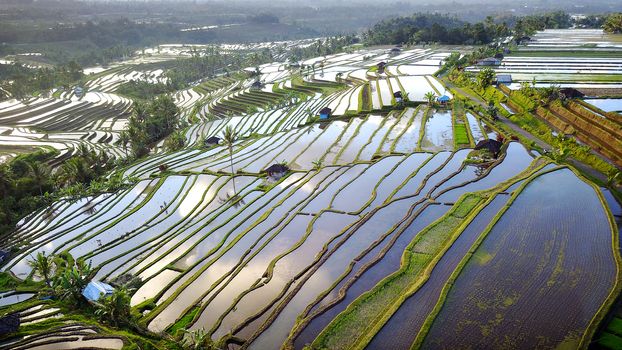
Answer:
(492, 146)
(504, 79)
(381, 66)
(212, 141)
(398, 96)
(490, 61)
(571, 93)
(257, 85)
(276, 171)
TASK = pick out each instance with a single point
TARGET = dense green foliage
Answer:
(142, 90)
(150, 123)
(613, 24)
(422, 28)
(115, 309)
(528, 25)
(444, 29)
(27, 183)
(21, 82)
(211, 61)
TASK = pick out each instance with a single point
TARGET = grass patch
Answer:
(7, 281)
(460, 134)
(183, 322)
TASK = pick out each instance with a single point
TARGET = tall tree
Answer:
(485, 77)
(43, 266)
(40, 175)
(430, 96)
(229, 137)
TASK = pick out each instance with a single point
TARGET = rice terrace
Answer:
(249, 175)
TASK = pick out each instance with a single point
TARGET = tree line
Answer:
(444, 29)
(20, 82)
(28, 183)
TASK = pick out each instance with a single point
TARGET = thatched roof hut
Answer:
(276, 171)
(492, 146)
(212, 141)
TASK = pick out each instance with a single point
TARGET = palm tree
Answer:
(76, 170)
(124, 139)
(42, 266)
(229, 137)
(40, 174)
(84, 151)
(430, 97)
(5, 180)
(485, 78)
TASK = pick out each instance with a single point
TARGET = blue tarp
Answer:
(444, 98)
(96, 289)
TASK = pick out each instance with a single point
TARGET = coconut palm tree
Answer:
(5, 180)
(430, 97)
(40, 174)
(43, 266)
(124, 139)
(229, 137)
(76, 170)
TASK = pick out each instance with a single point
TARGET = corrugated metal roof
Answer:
(96, 289)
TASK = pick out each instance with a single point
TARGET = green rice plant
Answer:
(183, 322)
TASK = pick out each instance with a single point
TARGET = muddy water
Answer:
(252, 272)
(555, 240)
(373, 146)
(333, 151)
(399, 127)
(516, 160)
(476, 131)
(394, 334)
(153, 286)
(360, 139)
(330, 270)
